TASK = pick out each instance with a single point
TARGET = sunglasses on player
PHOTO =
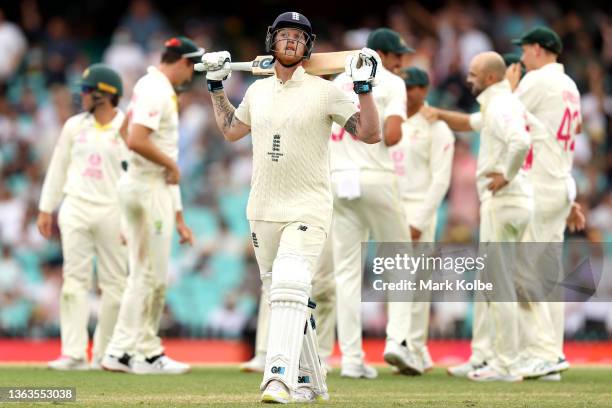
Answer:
(85, 89)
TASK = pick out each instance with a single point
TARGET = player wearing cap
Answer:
(366, 200)
(423, 159)
(553, 101)
(151, 206)
(506, 210)
(289, 116)
(84, 170)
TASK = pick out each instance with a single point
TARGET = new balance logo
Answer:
(278, 370)
(295, 16)
(302, 228)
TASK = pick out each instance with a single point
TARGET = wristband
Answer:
(362, 87)
(214, 86)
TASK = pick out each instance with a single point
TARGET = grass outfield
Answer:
(226, 387)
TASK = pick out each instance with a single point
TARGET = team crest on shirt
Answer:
(158, 227)
(276, 154)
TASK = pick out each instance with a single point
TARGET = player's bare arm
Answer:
(217, 67)
(139, 141)
(231, 127)
(456, 120)
(185, 233)
(392, 132)
(354, 126)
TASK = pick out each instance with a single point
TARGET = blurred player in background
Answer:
(289, 116)
(366, 200)
(151, 206)
(506, 210)
(553, 101)
(84, 170)
(423, 159)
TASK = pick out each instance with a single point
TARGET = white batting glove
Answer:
(362, 69)
(216, 65)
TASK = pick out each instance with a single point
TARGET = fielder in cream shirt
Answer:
(84, 170)
(423, 159)
(151, 209)
(553, 101)
(366, 199)
(506, 210)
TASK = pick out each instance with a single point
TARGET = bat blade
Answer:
(323, 63)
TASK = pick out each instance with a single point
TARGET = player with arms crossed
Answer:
(151, 204)
(84, 170)
(553, 101)
(423, 160)
(289, 116)
(367, 202)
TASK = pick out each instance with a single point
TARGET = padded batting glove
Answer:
(217, 67)
(362, 69)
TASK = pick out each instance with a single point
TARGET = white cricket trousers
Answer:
(149, 217)
(377, 213)
(552, 207)
(89, 231)
(410, 320)
(495, 335)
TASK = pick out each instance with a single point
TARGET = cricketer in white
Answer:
(366, 200)
(423, 160)
(150, 205)
(506, 209)
(84, 171)
(289, 116)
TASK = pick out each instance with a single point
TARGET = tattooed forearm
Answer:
(224, 111)
(351, 124)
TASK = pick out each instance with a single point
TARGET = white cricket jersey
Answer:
(348, 153)
(290, 127)
(86, 162)
(553, 101)
(423, 160)
(154, 105)
(504, 143)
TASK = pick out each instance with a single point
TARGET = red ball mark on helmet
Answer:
(173, 42)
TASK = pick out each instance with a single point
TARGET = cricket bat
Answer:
(322, 63)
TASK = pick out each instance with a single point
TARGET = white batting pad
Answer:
(289, 294)
(311, 373)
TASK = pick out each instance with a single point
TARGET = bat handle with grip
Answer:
(234, 66)
(241, 66)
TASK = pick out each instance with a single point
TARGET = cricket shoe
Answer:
(276, 393)
(117, 364)
(462, 370)
(398, 355)
(308, 395)
(66, 363)
(537, 367)
(160, 364)
(489, 373)
(361, 370)
(550, 377)
(562, 364)
(426, 361)
(255, 365)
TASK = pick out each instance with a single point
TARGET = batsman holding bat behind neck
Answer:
(290, 116)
